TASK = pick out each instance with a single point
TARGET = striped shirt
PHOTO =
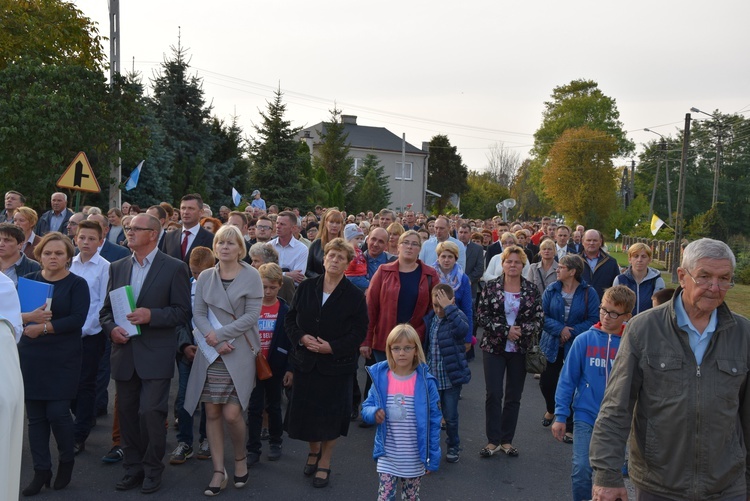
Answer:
(401, 457)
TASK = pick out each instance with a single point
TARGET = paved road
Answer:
(541, 472)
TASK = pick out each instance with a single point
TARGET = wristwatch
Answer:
(45, 329)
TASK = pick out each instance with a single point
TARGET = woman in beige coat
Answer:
(227, 305)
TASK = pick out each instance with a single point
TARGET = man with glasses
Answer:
(681, 382)
(263, 230)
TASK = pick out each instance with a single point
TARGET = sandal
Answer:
(239, 482)
(546, 422)
(509, 450)
(311, 468)
(213, 491)
(486, 452)
(320, 481)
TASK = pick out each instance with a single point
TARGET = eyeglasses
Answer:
(128, 229)
(405, 349)
(263, 227)
(611, 314)
(409, 243)
(707, 283)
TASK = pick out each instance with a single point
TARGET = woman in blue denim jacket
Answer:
(571, 307)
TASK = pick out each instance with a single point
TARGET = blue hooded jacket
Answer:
(581, 316)
(651, 283)
(451, 335)
(585, 374)
(426, 400)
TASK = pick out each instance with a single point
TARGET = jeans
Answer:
(84, 406)
(582, 472)
(501, 417)
(266, 394)
(185, 424)
(43, 416)
(449, 407)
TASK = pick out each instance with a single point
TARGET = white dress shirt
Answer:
(292, 256)
(96, 273)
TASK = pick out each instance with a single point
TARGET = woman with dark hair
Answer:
(326, 323)
(50, 354)
(400, 292)
(331, 226)
(571, 307)
(510, 311)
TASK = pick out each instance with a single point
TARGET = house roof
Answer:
(366, 138)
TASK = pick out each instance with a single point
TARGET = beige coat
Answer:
(237, 309)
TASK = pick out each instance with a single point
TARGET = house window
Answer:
(357, 164)
(404, 172)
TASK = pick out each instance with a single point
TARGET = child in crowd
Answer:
(447, 327)
(403, 401)
(584, 377)
(357, 270)
(275, 346)
(201, 258)
(662, 296)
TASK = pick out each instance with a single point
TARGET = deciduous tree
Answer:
(447, 173)
(482, 196)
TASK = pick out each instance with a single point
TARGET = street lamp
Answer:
(663, 147)
(715, 195)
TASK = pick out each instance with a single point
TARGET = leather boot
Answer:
(64, 472)
(41, 479)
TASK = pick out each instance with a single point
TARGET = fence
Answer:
(662, 249)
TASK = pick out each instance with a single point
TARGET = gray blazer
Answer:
(166, 292)
(538, 277)
(237, 308)
(474, 266)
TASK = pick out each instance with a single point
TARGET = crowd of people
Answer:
(257, 306)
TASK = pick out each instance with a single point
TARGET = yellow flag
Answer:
(656, 224)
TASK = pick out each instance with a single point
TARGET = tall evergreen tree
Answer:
(229, 166)
(333, 152)
(448, 174)
(277, 167)
(182, 111)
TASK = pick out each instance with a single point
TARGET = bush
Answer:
(740, 246)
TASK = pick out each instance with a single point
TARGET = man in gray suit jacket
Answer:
(474, 259)
(142, 366)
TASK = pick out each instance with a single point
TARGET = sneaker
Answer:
(252, 458)
(274, 453)
(204, 451)
(115, 455)
(452, 455)
(264, 435)
(181, 453)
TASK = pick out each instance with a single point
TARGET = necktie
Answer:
(185, 243)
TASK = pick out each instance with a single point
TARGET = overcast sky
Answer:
(477, 71)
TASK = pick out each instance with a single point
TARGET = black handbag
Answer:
(536, 361)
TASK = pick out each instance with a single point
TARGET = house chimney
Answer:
(426, 146)
(349, 119)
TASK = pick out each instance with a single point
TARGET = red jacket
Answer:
(382, 302)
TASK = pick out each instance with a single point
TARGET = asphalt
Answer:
(540, 472)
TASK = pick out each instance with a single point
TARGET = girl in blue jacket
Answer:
(403, 401)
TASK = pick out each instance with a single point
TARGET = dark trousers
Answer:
(357, 396)
(102, 378)
(142, 406)
(548, 384)
(92, 349)
(501, 416)
(266, 394)
(45, 416)
(185, 422)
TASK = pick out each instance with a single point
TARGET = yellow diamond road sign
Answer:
(79, 176)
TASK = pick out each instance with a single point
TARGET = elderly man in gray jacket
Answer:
(681, 378)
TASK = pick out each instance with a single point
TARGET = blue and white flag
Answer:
(236, 198)
(133, 179)
(617, 233)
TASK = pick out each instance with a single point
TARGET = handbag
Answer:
(536, 361)
(262, 367)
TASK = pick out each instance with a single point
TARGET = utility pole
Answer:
(715, 195)
(678, 224)
(115, 169)
(632, 181)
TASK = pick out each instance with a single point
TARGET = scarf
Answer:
(452, 278)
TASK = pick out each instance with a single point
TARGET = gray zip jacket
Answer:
(690, 423)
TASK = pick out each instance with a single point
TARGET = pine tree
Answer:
(371, 187)
(277, 167)
(184, 116)
(448, 174)
(228, 167)
(333, 152)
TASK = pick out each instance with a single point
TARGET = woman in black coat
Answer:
(50, 354)
(326, 324)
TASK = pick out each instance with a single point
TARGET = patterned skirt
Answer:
(219, 388)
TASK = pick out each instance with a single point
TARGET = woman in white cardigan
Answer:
(227, 305)
(495, 266)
